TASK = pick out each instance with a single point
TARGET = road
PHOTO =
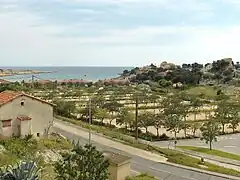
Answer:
(138, 164)
(227, 143)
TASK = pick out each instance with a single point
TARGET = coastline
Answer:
(62, 73)
(29, 72)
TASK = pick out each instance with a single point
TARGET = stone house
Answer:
(22, 114)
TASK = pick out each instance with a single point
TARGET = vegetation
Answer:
(210, 131)
(172, 155)
(220, 71)
(82, 163)
(141, 177)
(26, 148)
(212, 152)
(23, 170)
(79, 162)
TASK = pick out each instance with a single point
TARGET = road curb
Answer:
(167, 163)
(202, 171)
(192, 153)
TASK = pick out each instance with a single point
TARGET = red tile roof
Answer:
(73, 81)
(24, 118)
(7, 96)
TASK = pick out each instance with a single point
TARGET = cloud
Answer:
(107, 32)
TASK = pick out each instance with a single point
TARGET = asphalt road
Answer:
(138, 164)
(228, 143)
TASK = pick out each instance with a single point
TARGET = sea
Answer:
(93, 73)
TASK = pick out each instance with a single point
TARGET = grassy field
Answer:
(206, 90)
(212, 152)
(172, 155)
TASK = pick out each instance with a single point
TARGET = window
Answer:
(38, 134)
(6, 123)
(22, 103)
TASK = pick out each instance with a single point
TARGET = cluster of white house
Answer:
(22, 114)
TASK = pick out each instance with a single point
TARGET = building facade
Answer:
(22, 114)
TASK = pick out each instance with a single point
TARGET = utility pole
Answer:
(32, 81)
(136, 117)
(89, 121)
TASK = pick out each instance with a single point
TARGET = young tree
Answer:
(153, 99)
(196, 103)
(158, 121)
(82, 163)
(194, 127)
(222, 113)
(184, 108)
(101, 114)
(234, 116)
(210, 131)
(112, 106)
(125, 117)
(98, 101)
(173, 120)
(64, 108)
(146, 119)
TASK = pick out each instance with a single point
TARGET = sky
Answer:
(117, 32)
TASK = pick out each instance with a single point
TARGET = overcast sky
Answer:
(117, 32)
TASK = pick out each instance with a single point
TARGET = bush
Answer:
(55, 144)
(20, 147)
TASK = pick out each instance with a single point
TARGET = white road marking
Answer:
(230, 146)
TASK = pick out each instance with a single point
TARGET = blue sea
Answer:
(93, 73)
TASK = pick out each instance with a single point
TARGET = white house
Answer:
(22, 114)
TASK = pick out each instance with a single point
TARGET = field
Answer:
(124, 96)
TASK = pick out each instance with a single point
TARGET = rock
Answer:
(49, 156)
(165, 65)
(177, 85)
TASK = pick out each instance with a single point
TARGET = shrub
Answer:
(55, 144)
(20, 147)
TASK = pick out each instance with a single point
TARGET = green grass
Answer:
(141, 177)
(206, 90)
(172, 155)
(212, 152)
(22, 148)
(54, 144)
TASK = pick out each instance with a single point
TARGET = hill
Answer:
(223, 71)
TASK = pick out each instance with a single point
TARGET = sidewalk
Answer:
(228, 163)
